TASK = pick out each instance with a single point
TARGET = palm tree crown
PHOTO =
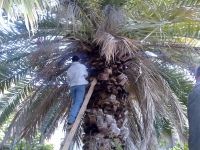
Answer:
(128, 45)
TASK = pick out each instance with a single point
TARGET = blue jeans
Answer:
(78, 93)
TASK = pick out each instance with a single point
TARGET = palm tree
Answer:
(133, 99)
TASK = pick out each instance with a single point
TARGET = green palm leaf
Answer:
(13, 97)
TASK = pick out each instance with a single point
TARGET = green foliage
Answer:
(162, 143)
(12, 98)
(45, 147)
(23, 146)
(180, 81)
(112, 2)
(4, 126)
(180, 147)
(162, 124)
(117, 144)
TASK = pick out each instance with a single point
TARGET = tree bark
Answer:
(105, 119)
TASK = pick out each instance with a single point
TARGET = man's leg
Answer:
(80, 92)
(73, 94)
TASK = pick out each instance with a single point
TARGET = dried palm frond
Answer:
(178, 80)
(58, 95)
(111, 45)
(33, 111)
(153, 98)
(106, 37)
(72, 15)
(176, 54)
(50, 92)
(115, 18)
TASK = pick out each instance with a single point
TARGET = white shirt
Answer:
(76, 74)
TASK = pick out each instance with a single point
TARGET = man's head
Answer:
(197, 74)
(75, 58)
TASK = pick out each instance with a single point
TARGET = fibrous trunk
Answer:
(105, 119)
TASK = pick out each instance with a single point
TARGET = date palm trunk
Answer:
(105, 119)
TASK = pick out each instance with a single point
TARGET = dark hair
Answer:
(75, 58)
(197, 73)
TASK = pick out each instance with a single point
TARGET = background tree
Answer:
(134, 96)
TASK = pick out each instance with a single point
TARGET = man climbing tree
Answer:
(76, 75)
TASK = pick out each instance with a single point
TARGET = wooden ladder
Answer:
(70, 135)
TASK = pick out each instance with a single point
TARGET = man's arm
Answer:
(60, 71)
(85, 72)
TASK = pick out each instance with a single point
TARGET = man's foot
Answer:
(69, 123)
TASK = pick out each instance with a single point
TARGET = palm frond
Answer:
(115, 18)
(13, 66)
(51, 120)
(158, 20)
(33, 111)
(111, 45)
(51, 91)
(178, 54)
(169, 29)
(27, 10)
(38, 114)
(7, 82)
(72, 16)
(13, 98)
(180, 81)
(153, 97)
(112, 2)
